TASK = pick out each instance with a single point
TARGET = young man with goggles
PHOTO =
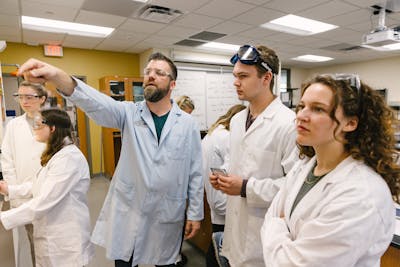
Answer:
(263, 150)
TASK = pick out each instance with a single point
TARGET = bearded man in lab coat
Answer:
(160, 166)
(263, 150)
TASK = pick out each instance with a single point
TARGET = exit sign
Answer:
(53, 50)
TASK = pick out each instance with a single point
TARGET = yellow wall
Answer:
(90, 63)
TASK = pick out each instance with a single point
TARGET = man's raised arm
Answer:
(37, 71)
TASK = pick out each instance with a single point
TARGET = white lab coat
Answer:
(215, 148)
(20, 160)
(263, 154)
(347, 219)
(144, 210)
(58, 210)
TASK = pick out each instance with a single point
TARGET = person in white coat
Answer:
(20, 160)
(58, 206)
(159, 169)
(336, 207)
(215, 150)
(263, 150)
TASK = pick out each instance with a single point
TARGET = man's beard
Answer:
(154, 94)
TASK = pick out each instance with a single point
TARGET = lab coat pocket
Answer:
(124, 195)
(59, 245)
(176, 146)
(172, 210)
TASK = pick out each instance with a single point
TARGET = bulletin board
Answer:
(211, 90)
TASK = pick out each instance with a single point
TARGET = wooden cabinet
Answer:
(203, 238)
(121, 89)
(391, 258)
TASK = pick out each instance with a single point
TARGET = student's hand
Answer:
(191, 229)
(3, 188)
(36, 71)
(230, 185)
(214, 181)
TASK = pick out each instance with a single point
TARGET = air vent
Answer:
(342, 47)
(159, 14)
(191, 43)
(207, 36)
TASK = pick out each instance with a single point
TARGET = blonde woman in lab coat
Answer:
(20, 160)
(58, 209)
(336, 206)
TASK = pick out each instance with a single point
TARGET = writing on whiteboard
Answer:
(212, 93)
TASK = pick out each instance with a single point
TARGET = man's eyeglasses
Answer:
(158, 72)
(26, 97)
(249, 55)
(39, 124)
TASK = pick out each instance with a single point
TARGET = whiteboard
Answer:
(213, 93)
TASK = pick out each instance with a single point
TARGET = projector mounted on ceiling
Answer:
(382, 35)
(159, 14)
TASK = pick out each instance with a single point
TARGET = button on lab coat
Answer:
(58, 210)
(347, 219)
(263, 154)
(144, 209)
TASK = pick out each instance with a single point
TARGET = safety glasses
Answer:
(249, 55)
(352, 79)
(39, 123)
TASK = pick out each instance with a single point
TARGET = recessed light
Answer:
(298, 25)
(312, 58)
(59, 26)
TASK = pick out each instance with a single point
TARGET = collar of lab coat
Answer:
(267, 114)
(313, 196)
(174, 113)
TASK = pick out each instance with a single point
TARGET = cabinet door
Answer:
(137, 89)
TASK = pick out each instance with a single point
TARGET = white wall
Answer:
(381, 73)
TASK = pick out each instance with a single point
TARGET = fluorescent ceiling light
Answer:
(298, 25)
(392, 46)
(312, 58)
(58, 26)
(141, 1)
(222, 46)
(384, 48)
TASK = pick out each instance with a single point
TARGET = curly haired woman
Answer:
(336, 207)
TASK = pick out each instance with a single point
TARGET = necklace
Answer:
(312, 179)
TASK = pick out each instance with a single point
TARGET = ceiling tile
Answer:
(184, 6)
(35, 9)
(99, 19)
(197, 21)
(178, 31)
(292, 7)
(328, 10)
(81, 42)
(113, 45)
(137, 25)
(255, 2)
(230, 8)
(230, 27)
(258, 16)
(10, 20)
(9, 7)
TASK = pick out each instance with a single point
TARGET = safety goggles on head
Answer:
(249, 55)
(352, 79)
